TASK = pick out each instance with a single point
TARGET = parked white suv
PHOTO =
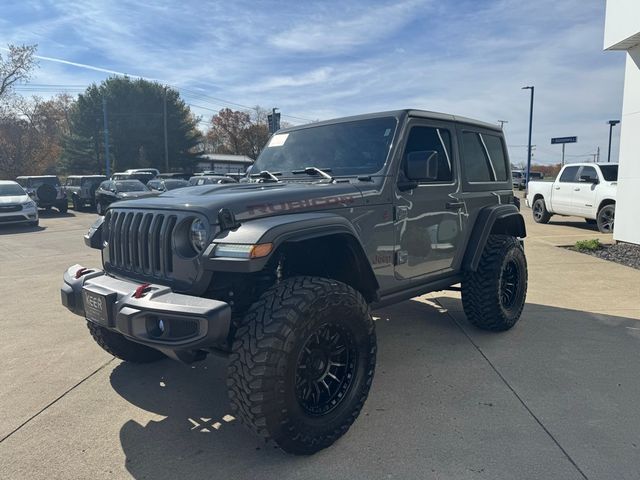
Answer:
(585, 190)
(15, 205)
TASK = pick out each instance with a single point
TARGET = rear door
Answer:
(563, 189)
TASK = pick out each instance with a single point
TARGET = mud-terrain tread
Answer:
(260, 348)
(118, 346)
(480, 295)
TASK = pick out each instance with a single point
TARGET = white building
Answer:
(622, 32)
(223, 163)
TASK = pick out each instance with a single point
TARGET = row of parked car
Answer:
(21, 199)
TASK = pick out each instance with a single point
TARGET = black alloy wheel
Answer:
(326, 368)
(509, 284)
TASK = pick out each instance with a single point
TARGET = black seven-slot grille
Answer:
(141, 242)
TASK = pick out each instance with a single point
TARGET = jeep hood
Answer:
(253, 200)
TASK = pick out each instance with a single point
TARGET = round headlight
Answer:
(198, 235)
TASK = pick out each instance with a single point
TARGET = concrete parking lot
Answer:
(557, 397)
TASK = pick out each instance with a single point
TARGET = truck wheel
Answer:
(100, 208)
(120, 347)
(76, 203)
(540, 212)
(493, 296)
(606, 215)
(302, 363)
(62, 208)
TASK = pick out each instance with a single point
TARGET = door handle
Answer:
(576, 189)
(557, 188)
(454, 205)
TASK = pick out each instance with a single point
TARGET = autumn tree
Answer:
(31, 136)
(135, 111)
(239, 133)
(15, 67)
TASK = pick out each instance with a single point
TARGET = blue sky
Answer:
(318, 60)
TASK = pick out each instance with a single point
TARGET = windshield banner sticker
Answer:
(278, 140)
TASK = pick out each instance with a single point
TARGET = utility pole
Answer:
(612, 123)
(563, 154)
(598, 154)
(106, 137)
(166, 144)
(502, 122)
(530, 128)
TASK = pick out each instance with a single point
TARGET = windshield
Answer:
(130, 186)
(610, 172)
(11, 190)
(351, 148)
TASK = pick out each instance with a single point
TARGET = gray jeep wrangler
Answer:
(281, 271)
(46, 191)
(82, 189)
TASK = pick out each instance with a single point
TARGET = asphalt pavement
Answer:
(554, 398)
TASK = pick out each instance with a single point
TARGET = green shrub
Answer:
(593, 244)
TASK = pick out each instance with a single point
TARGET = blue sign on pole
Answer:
(564, 140)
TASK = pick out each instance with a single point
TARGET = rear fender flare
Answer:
(497, 219)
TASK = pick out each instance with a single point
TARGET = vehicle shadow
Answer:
(53, 213)
(429, 374)
(583, 225)
(20, 228)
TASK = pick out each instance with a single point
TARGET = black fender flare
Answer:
(281, 229)
(497, 219)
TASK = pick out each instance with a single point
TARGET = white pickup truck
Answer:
(581, 189)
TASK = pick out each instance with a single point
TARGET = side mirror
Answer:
(422, 165)
(589, 179)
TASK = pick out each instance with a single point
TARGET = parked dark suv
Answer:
(82, 189)
(114, 190)
(46, 191)
(281, 272)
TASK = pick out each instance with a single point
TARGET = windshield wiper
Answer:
(314, 171)
(267, 175)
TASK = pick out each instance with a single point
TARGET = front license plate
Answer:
(97, 307)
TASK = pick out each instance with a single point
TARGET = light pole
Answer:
(612, 123)
(526, 190)
(502, 122)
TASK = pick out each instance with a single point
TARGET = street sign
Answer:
(564, 140)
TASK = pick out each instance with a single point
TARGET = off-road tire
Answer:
(270, 343)
(540, 212)
(118, 346)
(483, 291)
(76, 203)
(606, 217)
(63, 208)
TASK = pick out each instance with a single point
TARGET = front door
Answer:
(428, 219)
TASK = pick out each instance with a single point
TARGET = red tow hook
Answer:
(82, 271)
(142, 290)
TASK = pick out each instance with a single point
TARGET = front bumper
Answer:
(20, 216)
(173, 323)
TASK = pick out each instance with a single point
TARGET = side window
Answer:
(476, 163)
(569, 174)
(498, 159)
(589, 172)
(484, 157)
(429, 138)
